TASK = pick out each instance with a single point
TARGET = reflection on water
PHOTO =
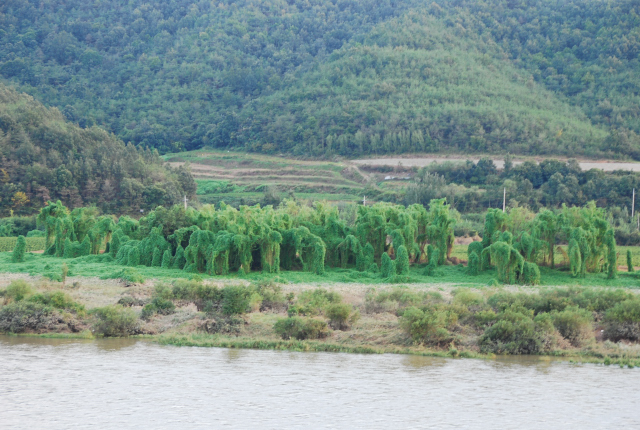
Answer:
(123, 383)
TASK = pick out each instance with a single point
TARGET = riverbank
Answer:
(434, 320)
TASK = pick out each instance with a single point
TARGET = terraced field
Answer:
(239, 178)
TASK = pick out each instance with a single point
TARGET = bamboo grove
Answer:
(383, 238)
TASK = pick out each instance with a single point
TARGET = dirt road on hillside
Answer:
(417, 161)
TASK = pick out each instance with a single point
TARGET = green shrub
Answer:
(22, 316)
(475, 248)
(17, 256)
(530, 274)
(373, 268)
(133, 258)
(35, 233)
(314, 302)
(387, 266)
(473, 266)
(167, 259)
(163, 291)
(179, 260)
(301, 328)
(272, 297)
(398, 298)
(230, 324)
(128, 274)
(58, 300)
(235, 300)
(114, 320)
(622, 322)
(156, 260)
(575, 325)
(18, 290)
(432, 267)
(515, 332)
(468, 297)
(402, 261)
(186, 289)
(339, 315)
(430, 325)
(128, 301)
(629, 261)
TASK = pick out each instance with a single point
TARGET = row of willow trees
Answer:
(517, 242)
(309, 238)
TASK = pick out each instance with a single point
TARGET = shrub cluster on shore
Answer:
(490, 321)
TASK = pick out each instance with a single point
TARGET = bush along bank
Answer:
(585, 323)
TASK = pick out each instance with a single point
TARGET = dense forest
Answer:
(44, 157)
(336, 76)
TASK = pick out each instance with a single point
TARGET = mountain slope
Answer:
(44, 157)
(527, 77)
(414, 85)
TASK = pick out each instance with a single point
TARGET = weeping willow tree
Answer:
(494, 221)
(579, 251)
(529, 246)
(308, 248)
(440, 230)
(48, 217)
(270, 252)
(77, 249)
(507, 260)
(349, 250)
(612, 257)
(298, 236)
(64, 231)
(548, 227)
(199, 253)
(372, 228)
(100, 233)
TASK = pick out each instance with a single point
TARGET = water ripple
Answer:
(59, 384)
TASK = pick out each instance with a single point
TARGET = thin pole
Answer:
(364, 201)
(185, 202)
(504, 199)
(633, 203)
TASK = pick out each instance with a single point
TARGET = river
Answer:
(75, 384)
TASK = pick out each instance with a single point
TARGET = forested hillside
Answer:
(337, 76)
(43, 157)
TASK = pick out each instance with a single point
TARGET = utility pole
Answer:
(364, 201)
(185, 202)
(633, 203)
(504, 199)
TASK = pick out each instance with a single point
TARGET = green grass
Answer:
(98, 266)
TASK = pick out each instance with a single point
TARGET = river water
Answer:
(74, 384)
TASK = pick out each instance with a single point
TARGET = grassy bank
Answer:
(103, 267)
(573, 323)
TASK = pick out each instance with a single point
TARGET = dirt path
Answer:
(421, 161)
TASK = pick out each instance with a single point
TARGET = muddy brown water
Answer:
(76, 384)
